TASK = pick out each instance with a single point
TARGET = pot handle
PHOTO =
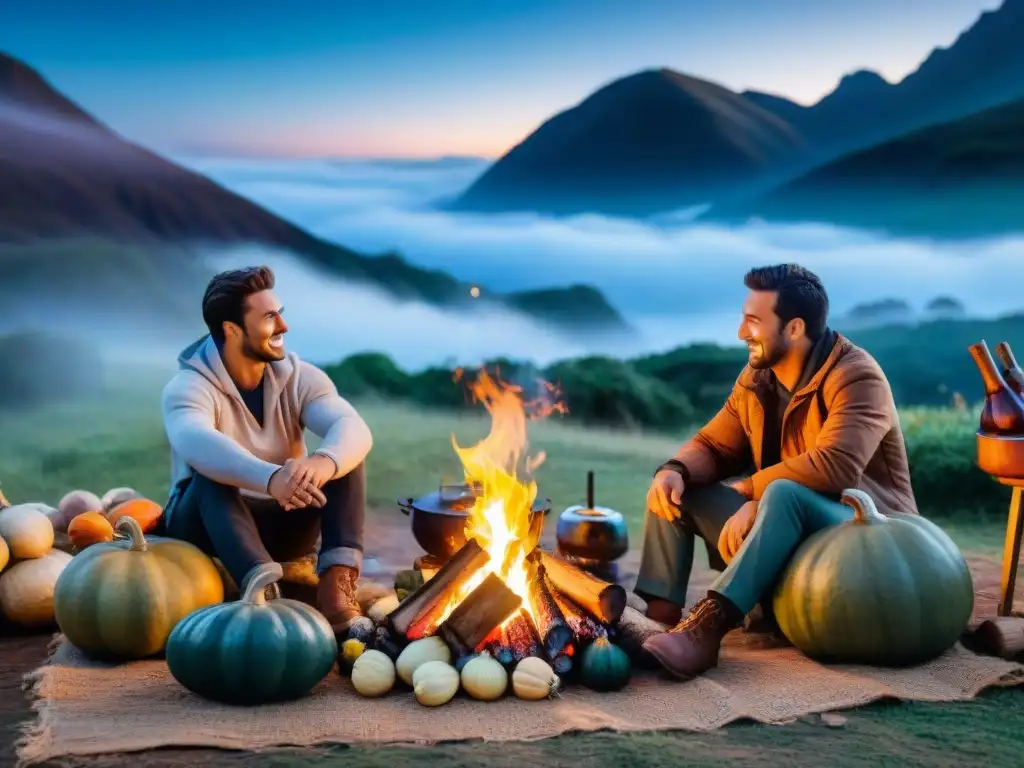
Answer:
(405, 505)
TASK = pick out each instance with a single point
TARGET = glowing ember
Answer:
(501, 514)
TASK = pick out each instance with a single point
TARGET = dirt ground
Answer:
(390, 547)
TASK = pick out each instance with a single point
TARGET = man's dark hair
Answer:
(800, 293)
(225, 297)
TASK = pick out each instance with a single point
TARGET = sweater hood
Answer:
(203, 357)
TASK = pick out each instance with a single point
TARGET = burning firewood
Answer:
(583, 626)
(554, 632)
(601, 599)
(516, 641)
(430, 600)
(483, 609)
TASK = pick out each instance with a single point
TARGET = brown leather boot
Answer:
(664, 612)
(336, 597)
(691, 647)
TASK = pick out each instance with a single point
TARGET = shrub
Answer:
(602, 390)
(941, 452)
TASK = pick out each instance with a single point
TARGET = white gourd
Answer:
(435, 683)
(484, 678)
(373, 674)
(534, 679)
(26, 589)
(28, 532)
(419, 652)
(380, 609)
(5, 554)
(73, 504)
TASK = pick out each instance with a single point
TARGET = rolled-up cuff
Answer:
(347, 556)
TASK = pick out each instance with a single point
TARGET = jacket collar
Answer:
(758, 380)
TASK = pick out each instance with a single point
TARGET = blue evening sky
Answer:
(404, 78)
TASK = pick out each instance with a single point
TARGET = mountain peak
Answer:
(860, 81)
(651, 141)
(23, 86)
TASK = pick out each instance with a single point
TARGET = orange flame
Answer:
(500, 519)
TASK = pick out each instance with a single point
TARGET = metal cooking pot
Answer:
(438, 519)
(592, 532)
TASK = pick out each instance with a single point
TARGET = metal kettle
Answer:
(591, 532)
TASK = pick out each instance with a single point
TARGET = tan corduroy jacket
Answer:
(840, 431)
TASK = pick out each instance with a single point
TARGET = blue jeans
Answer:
(245, 533)
(786, 515)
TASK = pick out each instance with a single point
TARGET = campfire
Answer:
(501, 592)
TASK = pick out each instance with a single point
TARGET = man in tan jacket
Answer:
(812, 415)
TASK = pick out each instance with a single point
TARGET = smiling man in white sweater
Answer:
(243, 487)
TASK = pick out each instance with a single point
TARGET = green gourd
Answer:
(252, 651)
(886, 591)
(121, 599)
(604, 666)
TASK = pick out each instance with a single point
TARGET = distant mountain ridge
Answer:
(649, 142)
(982, 68)
(964, 178)
(64, 176)
(607, 155)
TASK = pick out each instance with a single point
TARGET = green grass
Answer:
(120, 441)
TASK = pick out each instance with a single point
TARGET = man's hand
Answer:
(735, 530)
(293, 487)
(744, 488)
(322, 468)
(666, 494)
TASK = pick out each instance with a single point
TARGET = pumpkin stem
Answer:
(864, 509)
(265, 575)
(130, 526)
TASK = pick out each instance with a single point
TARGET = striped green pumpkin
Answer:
(121, 599)
(885, 591)
(252, 651)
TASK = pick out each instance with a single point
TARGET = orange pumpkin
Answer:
(89, 528)
(143, 511)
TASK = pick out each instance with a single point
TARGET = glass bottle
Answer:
(1003, 413)
(1012, 373)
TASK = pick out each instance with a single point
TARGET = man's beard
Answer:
(254, 353)
(768, 355)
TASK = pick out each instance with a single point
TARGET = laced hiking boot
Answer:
(664, 612)
(691, 647)
(336, 597)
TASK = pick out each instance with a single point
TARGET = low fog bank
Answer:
(330, 319)
(669, 273)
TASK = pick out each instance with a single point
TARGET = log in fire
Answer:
(500, 592)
